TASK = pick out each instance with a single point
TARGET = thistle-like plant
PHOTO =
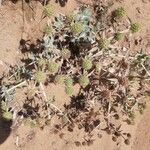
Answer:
(48, 30)
(53, 67)
(135, 27)
(71, 17)
(77, 28)
(98, 67)
(84, 81)
(40, 76)
(48, 10)
(65, 53)
(103, 43)
(7, 116)
(69, 82)
(4, 106)
(69, 90)
(118, 36)
(59, 79)
(119, 13)
(41, 62)
(87, 64)
(6, 93)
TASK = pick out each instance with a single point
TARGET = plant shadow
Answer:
(62, 3)
(5, 128)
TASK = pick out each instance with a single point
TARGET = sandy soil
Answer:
(16, 24)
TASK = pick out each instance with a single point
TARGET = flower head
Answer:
(84, 81)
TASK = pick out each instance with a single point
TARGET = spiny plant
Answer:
(76, 28)
(87, 64)
(103, 43)
(75, 54)
(84, 80)
(69, 90)
(119, 13)
(98, 67)
(53, 67)
(65, 53)
(48, 30)
(48, 10)
(41, 63)
(40, 76)
(59, 79)
(6, 114)
(119, 36)
(69, 82)
(135, 27)
(71, 17)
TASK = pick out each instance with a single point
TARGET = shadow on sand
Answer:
(5, 128)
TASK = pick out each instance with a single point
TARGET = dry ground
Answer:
(16, 24)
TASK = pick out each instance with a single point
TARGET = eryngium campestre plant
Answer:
(98, 67)
(119, 13)
(69, 90)
(40, 76)
(48, 11)
(69, 82)
(53, 67)
(135, 27)
(41, 62)
(87, 64)
(77, 28)
(7, 115)
(103, 43)
(65, 53)
(71, 17)
(118, 36)
(84, 81)
(48, 30)
(59, 79)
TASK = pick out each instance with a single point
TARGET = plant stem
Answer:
(18, 85)
(145, 69)
(44, 94)
(55, 107)
(12, 88)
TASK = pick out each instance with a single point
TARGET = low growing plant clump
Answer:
(80, 50)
